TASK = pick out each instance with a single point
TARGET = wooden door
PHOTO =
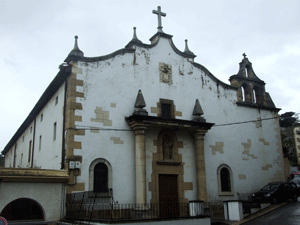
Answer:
(168, 196)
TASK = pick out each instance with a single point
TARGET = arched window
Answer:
(167, 147)
(225, 180)
(257, 95)
(243, 93)
(225, 183)
(100, 176)
(247, 71)
(254, 96)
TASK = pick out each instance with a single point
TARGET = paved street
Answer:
(286, 215)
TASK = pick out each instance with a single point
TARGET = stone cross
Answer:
(159, 15)
(244, 55)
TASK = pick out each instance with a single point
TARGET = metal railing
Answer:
(248, 205)
(90, 206)
(214, 209)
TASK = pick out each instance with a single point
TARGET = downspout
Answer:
(63, 149)
(15, 150)
(33, 141)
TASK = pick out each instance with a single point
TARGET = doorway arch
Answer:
(23, 209)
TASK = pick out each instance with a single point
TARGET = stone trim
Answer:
(242, 177)
(70, 119)
(77, 187)
(33, 175)
(217, 148)
(258, 123)
(266, 167)
(264, 141)
(102, 117)
(157, 110)
(91, 173)
(116, 140)
(220, 192)
(200, 164)
(175, 168)
(247, 149)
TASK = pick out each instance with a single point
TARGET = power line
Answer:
(82, 127)
(97, 128)
(250, 121)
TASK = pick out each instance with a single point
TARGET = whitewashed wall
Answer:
(113, 84)
(49, 155)
(48, 195)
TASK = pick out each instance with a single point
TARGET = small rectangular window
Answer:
(41, 117)
(30, 129)
(56, 100)
(40, 143)
(54, 131)
(165, 111)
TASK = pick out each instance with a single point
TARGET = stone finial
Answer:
(134, 38)
(198, 112)
(159, 15)
(76, 51)
(140, 104)
(197, 109)
(244, 55)
(187, 50)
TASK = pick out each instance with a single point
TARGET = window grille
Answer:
(165, 111)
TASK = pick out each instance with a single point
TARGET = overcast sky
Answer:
(37, 35)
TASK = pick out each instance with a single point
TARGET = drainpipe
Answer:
(63, 149)
(15, 151)
(33, 141)
(66, 69)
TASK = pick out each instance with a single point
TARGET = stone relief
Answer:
(165, 73)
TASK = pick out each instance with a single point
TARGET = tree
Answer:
(288, 119)
(287, 123)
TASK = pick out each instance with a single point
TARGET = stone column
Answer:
(200, 165)
(140, 165)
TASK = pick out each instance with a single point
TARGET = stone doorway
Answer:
(168, 196)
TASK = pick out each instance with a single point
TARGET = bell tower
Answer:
(251, 90)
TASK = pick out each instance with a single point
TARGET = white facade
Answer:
(36, 147)
(92, 104)
(48, 196)
(112, 85)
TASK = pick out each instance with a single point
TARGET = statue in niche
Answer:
(167, 147)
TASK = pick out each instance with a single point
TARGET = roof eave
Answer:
(48, 93)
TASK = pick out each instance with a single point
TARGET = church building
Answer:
(148, 124)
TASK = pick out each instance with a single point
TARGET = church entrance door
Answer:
(168, 196)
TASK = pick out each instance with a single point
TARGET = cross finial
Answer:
(159, 15)
(244, 55)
